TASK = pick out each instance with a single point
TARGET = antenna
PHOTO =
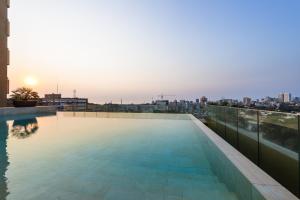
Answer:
(74, 93)
(57, 89)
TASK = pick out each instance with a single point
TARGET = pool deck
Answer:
(262, 184)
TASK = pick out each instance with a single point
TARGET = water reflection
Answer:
(24, 128)
(3, 159)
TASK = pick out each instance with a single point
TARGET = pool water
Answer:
(106, 156)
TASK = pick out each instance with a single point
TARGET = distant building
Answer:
(162, 105)
(147, 108)
(190, 107)
(247, 101)
(203, 101)
(297, 100)
(268, 100)
(197, 106)
(173, 106)
(4, 53)
(65, 103)
(230, 102)
(52, 96)
(281, 97)
(285, 97)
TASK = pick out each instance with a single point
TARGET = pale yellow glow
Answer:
(30, 81)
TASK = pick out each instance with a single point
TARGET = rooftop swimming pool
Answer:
(113, 156)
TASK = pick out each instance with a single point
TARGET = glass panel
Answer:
(220, 121)
(211, 117)
(272, 143)
(231, 125)
(279, 144)
(248, 134)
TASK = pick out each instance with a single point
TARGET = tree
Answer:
(24, 94)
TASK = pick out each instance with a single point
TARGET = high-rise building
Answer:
(281, 97)
(247, 101)
(287, 97)
(4, 53)
(203, 100)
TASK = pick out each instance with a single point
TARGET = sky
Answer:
(134, 50)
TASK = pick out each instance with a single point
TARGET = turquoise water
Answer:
(106, 156)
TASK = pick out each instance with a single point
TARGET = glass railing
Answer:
(269, 139)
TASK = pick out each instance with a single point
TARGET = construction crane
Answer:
(162, 96)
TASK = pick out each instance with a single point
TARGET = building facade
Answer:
(4, 53)
(281, 97)
(247, 101)
(65, 103)
(287, 97)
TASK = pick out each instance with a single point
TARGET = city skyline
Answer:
(135, 50)
(283, 97)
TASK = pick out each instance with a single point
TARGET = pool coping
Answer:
(260, 180)
(12, 111)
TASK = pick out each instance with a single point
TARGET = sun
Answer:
(30, 81)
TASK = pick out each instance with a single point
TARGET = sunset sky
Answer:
(137, 49)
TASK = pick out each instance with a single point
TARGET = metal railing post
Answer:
(237, 129)
(225, 122)
(258, 141)
(298, 154)
(215, 110)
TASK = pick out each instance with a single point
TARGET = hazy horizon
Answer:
(138, 49)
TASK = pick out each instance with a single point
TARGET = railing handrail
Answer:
(254, 109)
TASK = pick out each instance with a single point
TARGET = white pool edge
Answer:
(12, 111)
(267, 187)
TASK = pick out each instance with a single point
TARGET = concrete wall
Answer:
(4, 112)
(4, 27)
(3, 159)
